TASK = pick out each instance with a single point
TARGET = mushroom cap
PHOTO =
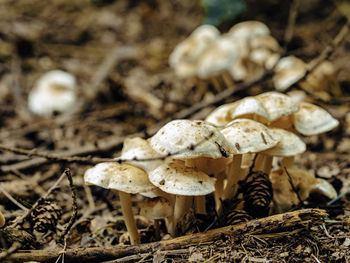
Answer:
(283, 194)
(186, 54)
(54, 91)
(321, 77)
(249, 136)
(138, 148)
(277, 104)
(248, 29)
(190, 139)
(289, 144)
(156, 208)
(311, 119)
(287, 72)
(217, 57)
(264, 41)
(122, 177)
(248, 107)
(175, 178)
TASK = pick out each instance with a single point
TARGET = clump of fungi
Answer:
(244, 53)
(187, 163)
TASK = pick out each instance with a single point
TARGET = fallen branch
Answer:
(276, 223)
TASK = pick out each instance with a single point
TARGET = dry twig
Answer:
(275, 223)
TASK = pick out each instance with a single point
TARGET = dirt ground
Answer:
(114, 49)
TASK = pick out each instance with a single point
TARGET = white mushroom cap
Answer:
(287, 72)
(190, 139)
(157, 208)
(248, 29)
(264, 41)
(283, 195)
(311, 119)
(138, 148)
(177, 179)
(248, 107)
(289, 144)
(277, 104)
(249, 136)
(216, 57)
(186, 54)
(54, 91)
(123, 177)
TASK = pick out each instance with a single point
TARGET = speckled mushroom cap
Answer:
(311, 119)
(217, 57)
(288, 71)
(248, 107)
(248, 29)
(289, 144)
(175, 178)
(249, 136)
(277, 104)
(140, 149)
(157, 208)
(123, 177)
(190, 139)
(185, 55)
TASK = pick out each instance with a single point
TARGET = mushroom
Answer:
(184, 182)
(185, 56)
(287, 72)
(198, 143)
(2, 219)
(156, 209)
(284, 197)
(311, 119)
(248, 29)
(216, 59)
(126, 179)
(138, 152)
(288, 146)
(53, 92)
(247, 136)
(248, 107)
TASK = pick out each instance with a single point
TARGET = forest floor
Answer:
(114, 49)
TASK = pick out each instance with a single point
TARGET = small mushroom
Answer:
(126, 179)
(249, 107)
(247, 136)
(284, 196)
(287, 72)
(185, 56)
(249, 29)
(156, 209)
(289, 145)
(311, 119)
(184, 182)
(53, 92)
(138, 152)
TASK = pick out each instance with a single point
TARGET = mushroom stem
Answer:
(227, 79)
(263, 163)
(181, 204)
(219, 189)
(215, 82)
(130, 223)
(199, 204)
(234, 171)
(2, 220)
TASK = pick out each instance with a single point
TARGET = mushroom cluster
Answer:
(244, 53)
(186, 160)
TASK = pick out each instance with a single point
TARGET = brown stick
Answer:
(275, 223)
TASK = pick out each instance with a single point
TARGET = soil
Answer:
(118, 51)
